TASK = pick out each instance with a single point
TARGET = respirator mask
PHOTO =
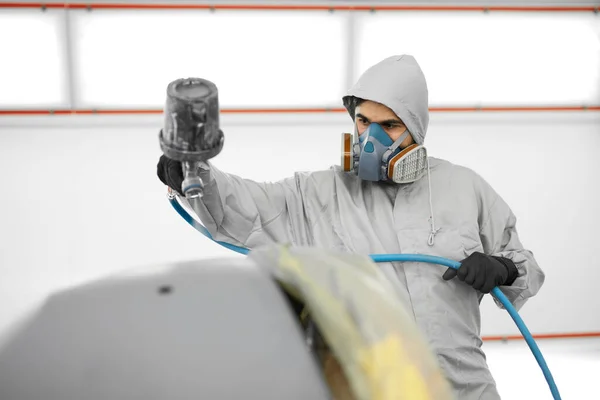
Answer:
(373, 156)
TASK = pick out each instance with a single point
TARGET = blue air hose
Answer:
(380, 258)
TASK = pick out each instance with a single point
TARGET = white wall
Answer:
(80, 198)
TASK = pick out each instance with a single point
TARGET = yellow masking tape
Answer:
(390, 373)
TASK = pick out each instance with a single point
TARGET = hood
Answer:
(398, 83)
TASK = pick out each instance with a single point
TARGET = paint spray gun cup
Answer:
(191, 131)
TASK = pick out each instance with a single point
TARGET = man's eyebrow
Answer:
(359, 115)
(392, 121)
(387, 121)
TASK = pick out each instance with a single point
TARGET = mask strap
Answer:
(395, 145)
(356, 135)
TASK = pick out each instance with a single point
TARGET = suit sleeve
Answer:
(498, 233)
(250, 214)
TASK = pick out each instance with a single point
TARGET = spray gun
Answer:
(191, 131)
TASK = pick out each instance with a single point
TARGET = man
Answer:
(438, 208)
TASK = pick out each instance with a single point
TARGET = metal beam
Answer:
(301, 7)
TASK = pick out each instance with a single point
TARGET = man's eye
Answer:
(363, 121)
(392, 125)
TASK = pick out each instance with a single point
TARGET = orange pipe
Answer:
(265, 7)
(290, 110)
(281, 110)
(515, 108)
(573, 335)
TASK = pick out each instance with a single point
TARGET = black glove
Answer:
(170, 172)
(484, 272)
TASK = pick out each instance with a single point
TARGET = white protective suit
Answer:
(335, 209)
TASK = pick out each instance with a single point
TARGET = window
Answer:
(32, 59)
(278, 59)
(499, 58)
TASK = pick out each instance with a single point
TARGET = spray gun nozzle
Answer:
(192, 185)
